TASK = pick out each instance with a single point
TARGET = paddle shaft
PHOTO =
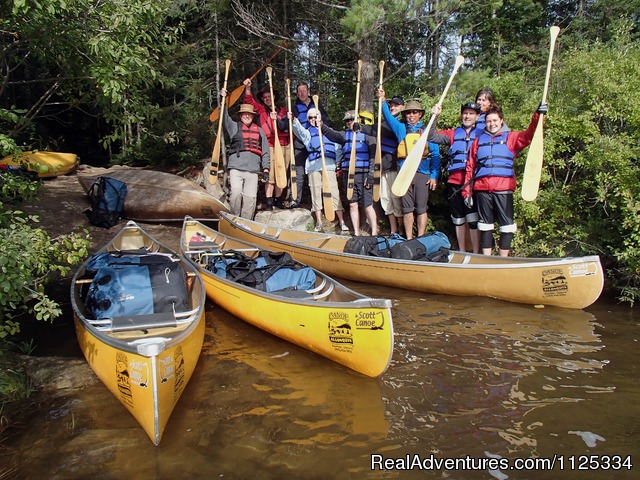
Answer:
(535, 157)
(327, 200)
(215, 155)
(280, 172)
(412, 162)
(294, 176)
(352, 158)
(377, 164)
(237, 93)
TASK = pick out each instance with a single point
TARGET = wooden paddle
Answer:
(281, 173)
(215, 155)
(238, 92)
(294, 177)
(412, 162)
(533, 165)
(352, 158)
(327, 200)
(377, 166)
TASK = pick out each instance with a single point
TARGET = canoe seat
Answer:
(144, 322)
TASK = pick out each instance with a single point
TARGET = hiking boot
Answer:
(344, 227)
(318, 227)
(269, 204)
(294, 204)
(277, 202)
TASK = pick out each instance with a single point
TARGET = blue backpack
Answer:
(135, 283)
(107, 197)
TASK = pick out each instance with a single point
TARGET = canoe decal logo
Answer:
(582, 269)
(340, 333)
(123, 381)
(167, 368)
(554, 283)
(369, 321)
(139, 373)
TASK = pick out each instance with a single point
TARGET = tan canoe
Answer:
(154, 196)
(564, 282)
(147, 360)
(329, 319)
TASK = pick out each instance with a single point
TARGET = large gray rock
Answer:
(294, 219)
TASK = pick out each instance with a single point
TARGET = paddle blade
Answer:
(327, 199)
(533, 166)
(410, 166)
(280, 169)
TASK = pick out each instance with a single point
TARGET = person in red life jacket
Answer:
(408, 131)
(365, 150)
(391, 204)
(248, 156)
(490, 175)
(263, 107)
(300, 110)
(310, 138)
(459, 141)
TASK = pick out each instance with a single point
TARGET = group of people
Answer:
(481, 155)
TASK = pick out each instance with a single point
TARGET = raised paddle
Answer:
(377, 164)
(215, 155)
(281, 173)
(412, 162)
(327, 200)
(238, 92)
(351, 178)
(533, 165)
(294, 177)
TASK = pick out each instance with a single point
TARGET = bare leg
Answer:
(393, 223)
(461, 236)
(373, 220)
(474, 233)
(354, 212)
(407, 219)
(503, 253)
(422, 224)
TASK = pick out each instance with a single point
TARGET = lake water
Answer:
(471, 379)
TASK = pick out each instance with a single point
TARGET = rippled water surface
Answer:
(469, 377)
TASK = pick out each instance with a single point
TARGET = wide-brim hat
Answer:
(412, 105)
(246, 108)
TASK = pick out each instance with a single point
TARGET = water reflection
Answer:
(472, 377)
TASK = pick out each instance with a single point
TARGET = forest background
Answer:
(134, 82)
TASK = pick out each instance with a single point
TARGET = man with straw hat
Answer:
(248, 157)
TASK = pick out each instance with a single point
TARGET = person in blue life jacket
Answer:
(248, 157)
(391, 204)
(300, 110)
(310, 138)
(365, 150)
(459, 141)
(408, 131)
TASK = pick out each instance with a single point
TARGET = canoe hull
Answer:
(346, 327)
(154, 196)
(146, 369)
(45, 164)
(565, 282)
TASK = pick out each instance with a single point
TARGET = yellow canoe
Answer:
(328, 319)
(574, 282)
(146, 361)
(45, 164)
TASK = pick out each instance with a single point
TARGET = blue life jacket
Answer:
(314, 160)
(302, 113)
(459, 149)
(494, 159)
(362, 151)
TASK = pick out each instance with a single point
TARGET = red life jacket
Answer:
(247, 139)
